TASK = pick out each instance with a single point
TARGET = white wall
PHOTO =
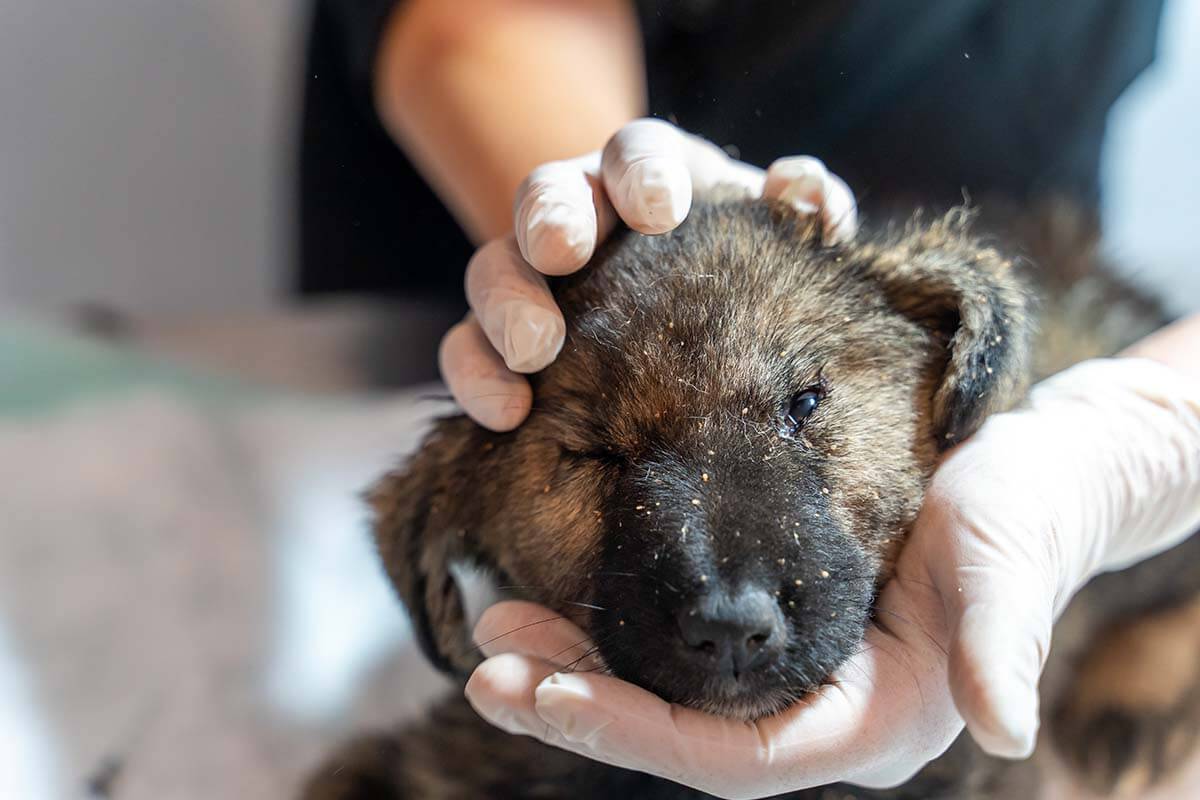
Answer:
(1152, 165)
(143, 148)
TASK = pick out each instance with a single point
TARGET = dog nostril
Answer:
(734, 633)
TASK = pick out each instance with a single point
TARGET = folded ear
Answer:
(425, 520)
(970, 297)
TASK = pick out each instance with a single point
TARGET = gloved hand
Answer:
(646, 176)
(1101, 468)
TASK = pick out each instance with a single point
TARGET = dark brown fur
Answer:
(659, 466)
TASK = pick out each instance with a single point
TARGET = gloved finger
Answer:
(806, 185)
(847, 731)
(1000, 646)
(888, 710)
(515, 626)
(839, 214)
(998, 585)
(487, 390)
(710, 167)
(501, 691)
(646, 175)
(514, 307)
(620, 724)
(609, 720)
(561, 213)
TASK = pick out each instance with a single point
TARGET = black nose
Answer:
(735, 632)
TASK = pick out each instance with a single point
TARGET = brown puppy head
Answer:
(725, 458)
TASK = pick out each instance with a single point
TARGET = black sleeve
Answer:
(929, 98)
(367, 220)
(932, 98)
(354, 28)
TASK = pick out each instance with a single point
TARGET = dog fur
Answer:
(661, 467)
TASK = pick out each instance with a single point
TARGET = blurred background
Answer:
(188, 603)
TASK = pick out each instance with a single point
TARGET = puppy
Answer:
(720, 470)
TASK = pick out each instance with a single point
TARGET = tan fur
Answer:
(1113, 675)
(660, 432)
(1132, 715)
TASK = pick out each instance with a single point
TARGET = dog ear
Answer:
(969, 297)
(425, 520)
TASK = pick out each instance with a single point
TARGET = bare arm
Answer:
(1177, 346)
(479, 92)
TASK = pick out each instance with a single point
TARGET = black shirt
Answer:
(933, 98)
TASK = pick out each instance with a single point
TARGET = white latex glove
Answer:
(1101, 468)
(646, 176)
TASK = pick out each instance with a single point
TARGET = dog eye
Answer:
(603, 455)
(802, 407)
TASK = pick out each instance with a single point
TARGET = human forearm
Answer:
(479, 93)
(1177, 346)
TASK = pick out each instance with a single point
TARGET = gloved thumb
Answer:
(997, 652)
